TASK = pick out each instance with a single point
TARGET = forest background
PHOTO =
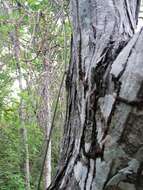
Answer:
(34, 53)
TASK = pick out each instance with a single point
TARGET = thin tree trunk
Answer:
(23, 130)
(48, 168)
(16, 50)
(140, 20)
(25, 155)
(44, 116)
(103, 137)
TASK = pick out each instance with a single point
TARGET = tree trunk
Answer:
(48, 168)
(102, 148)
(23, 130)
(44, 115)
(22, 111)
(16, 54)
(25, 154)
(140, 20)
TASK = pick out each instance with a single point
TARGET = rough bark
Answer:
(102, 147)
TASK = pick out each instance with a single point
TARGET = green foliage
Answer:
(10, 175)
(39, 38)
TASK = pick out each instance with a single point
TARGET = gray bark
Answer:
(44, 115)
(23, 129)
(140, 20)
(102, 148)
